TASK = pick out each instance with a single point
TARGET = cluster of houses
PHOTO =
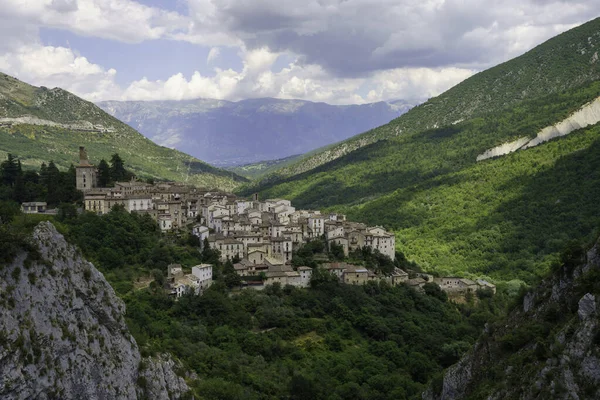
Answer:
(262, 275)
(456, 288)
(240, 228)
(258, 236)
(199, 280)
(273, 229)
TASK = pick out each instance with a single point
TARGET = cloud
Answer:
(414, 83)
(123, 20)
(341, 51)
(358, 37)
(213, 54)
(298, 81)
(60, 67)
(64, 6)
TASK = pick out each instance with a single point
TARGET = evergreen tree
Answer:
(69, 192)
(104, 174)
(10, 170)
(44, 174)
(117, 168)
(53, 184)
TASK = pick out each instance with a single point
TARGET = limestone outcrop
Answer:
(588, 115)
(63, 332)
(548, 348)
(84, 126)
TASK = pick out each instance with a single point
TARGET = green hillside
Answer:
(563, 62)
(53, 123)
(259, 169)
(507, 217)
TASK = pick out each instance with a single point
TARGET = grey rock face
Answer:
(563, 365)
(63, 332)
(587, 306)
(528, 301)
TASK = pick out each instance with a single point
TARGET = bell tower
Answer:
(86, 173)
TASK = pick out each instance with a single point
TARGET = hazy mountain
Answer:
(41, 124)
(232, 133)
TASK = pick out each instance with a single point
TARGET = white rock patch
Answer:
(588, 115)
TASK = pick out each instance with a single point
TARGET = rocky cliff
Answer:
(548, 347)
(63, 332)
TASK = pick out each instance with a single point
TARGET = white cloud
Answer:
(123, 20)
(298, 81)
(64, 5)
(414, 83)
(255, 80)
(358, 37)
(344, 51)
(213, 54)
(60, 67)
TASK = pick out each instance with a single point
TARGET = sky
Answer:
(335, 51)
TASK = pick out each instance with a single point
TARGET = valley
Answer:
(230, 134)
(248, 247)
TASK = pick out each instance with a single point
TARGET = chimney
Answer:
(255, 197)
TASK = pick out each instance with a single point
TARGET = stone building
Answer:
(85, 173)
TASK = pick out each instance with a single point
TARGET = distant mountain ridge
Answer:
(38, 124)
(234, 133)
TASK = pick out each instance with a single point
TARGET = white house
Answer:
(201, 231)
(139, 203)
(385, 242)
(305, 275)
(316, 224)
(204, 274)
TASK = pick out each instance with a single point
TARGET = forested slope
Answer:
(547, 347)
(506, 217)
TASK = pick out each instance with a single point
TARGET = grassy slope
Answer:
(561, 63)
(35, 144)
(261, 168)
(506, 218)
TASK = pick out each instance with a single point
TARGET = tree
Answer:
(53, 184)
(117, 168)
(8, 210)
(433, 290)
(322, 277)
(66, 211)
(336, 252)
(44, 174)
(10, 170)
(104, 174)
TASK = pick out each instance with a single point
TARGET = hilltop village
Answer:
(258, 236)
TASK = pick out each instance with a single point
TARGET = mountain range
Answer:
(505, 217)
(226, 133)
(38, 124)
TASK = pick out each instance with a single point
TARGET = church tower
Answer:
(86, 173)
